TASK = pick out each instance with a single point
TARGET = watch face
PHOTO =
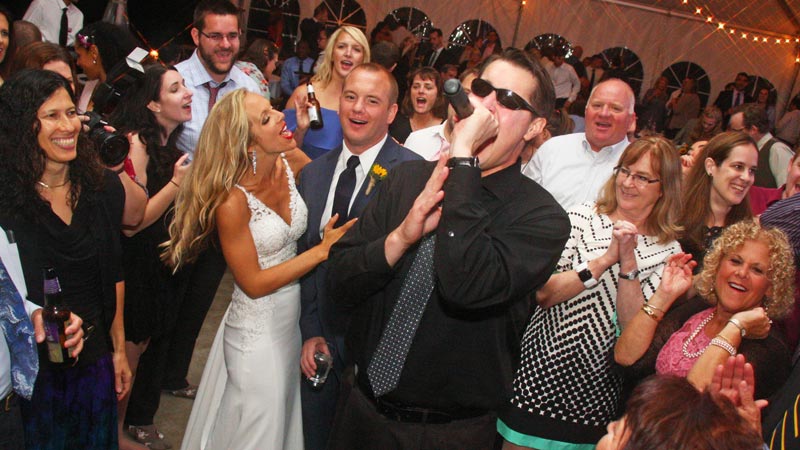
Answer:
(585, 275)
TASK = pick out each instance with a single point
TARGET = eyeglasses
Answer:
(508, 99)
(218, 37)
(640, 181)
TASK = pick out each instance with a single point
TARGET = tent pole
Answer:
(516, 26)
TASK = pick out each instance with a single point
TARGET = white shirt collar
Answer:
(366, 158)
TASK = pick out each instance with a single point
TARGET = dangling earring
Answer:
(253, 161)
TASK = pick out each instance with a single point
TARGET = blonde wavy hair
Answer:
(324, 75)
(781, 264)
(665, 162)
(220, 161)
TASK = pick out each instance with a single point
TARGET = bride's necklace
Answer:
(694, 334)
(47, 186)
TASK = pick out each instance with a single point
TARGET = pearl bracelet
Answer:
(723, 344)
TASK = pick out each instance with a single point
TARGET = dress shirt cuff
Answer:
(463, 185)
(375, 255)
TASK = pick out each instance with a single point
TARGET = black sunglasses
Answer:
(508, 99)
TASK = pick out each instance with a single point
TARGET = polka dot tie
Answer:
(387, 362)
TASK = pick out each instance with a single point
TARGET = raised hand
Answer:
(676, 278)
(422, 218)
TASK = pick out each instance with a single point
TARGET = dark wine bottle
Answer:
(315, 112)
(56, 319)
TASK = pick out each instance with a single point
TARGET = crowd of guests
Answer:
(565, 267)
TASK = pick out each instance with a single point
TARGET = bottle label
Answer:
(312, 115)
(53, 342)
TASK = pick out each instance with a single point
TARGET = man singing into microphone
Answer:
(439, 274)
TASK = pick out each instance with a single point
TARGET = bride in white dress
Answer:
(242, 187)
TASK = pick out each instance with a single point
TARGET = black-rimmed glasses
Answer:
(505, 97)
(217, 37)
(639, 180)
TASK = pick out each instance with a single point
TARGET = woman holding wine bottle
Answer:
(66, 213)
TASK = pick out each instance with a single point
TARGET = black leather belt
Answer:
(414, 414)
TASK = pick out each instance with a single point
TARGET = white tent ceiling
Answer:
(660, 32)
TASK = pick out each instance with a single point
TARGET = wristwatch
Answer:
(586, 275)
(739, 325)
(630, 275)
(462, 161)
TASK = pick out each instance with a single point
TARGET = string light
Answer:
(709, 18)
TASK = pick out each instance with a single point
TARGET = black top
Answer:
(86, 255)
(400, 128)
(498, 240)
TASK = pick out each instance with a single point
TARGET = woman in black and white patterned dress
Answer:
(565, 392)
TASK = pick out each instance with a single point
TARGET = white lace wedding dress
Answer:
(249, 396)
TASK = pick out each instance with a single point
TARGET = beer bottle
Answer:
(56, 319)
(315, 112)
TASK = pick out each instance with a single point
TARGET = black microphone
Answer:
(458, 98)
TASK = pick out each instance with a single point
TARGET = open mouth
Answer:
(346, 65)
(737, 287)
(65, 143)
(739, 188)
(286, 133)
(358, 122)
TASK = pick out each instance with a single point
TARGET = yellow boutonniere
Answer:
(376, 174)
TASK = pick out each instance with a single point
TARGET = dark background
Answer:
(156, 20)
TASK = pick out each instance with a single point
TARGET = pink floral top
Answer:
(671, 360)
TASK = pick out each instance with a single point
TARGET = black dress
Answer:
(149, 298)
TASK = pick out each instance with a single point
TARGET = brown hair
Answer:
(439, 106)
(35, 55)
(667, 412)
(663, 219)
(697, 192)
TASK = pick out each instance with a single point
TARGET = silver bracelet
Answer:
(723, 344)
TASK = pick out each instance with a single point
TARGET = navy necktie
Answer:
(18, 330)
(344, 191)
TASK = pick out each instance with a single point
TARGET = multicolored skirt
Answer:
(73, 408)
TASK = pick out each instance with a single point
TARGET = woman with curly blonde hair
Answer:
(748, 279)
(347, 48)
(242, 188)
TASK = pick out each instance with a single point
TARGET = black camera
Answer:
(113, 148)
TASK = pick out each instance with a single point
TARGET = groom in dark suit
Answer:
(343, 180)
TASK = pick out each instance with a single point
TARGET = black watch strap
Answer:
(462, 161)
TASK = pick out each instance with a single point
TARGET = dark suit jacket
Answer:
(448, 56)
(318, 316)
(723, 102)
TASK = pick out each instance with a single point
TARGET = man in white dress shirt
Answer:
(565, 81)
(574, 167)
(210, 69)
(47, 15)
